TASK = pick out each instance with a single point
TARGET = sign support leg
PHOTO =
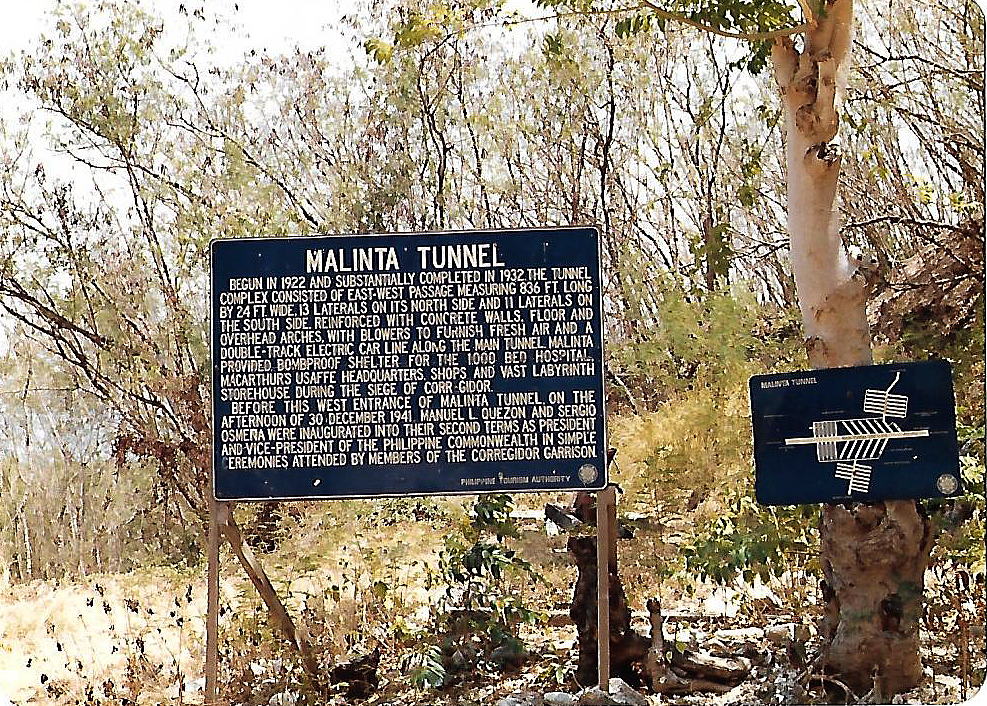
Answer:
(212, 605)
(606, 515)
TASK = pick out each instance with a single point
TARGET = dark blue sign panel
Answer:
(877, 432)
(359, 366)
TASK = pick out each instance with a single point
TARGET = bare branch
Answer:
(905, 221)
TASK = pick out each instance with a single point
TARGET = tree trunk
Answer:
(873, 555)
(627, 647)
(279, 616)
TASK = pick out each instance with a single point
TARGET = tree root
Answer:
(671, 671)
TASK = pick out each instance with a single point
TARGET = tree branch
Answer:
(905, 221)
(806, 26)
(748, 36)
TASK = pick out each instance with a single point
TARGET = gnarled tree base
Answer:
(874, 561)
(671, 671)
(627, 648)
(634, 658)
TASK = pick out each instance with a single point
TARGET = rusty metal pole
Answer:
(212, 605)
(606, 511)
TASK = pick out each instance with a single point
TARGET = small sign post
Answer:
(212, 606)
(416, 364)
(606, 556)
(869, 433)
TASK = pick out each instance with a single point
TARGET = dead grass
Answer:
(65, 643)
(357, 574)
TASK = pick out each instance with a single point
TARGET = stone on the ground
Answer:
(620, 695)
(560, 698)
(526, 698)
(784, 633)
(284, 698)
(593, 696)
(740, 634)
(559, 619)
(510, 655)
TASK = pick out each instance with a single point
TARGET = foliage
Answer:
(954, 600)
(749, 540)
(477, 616)
(688, 339)
(960, 521)
(688, 451)
(66, 509)
(935, 127)
(744, 19)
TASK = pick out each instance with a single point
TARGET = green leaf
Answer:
(379, 50)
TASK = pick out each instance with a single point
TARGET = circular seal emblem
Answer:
(947, 484)
(588, 473)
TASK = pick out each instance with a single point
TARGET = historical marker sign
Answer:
(869, 433)
(351, 366)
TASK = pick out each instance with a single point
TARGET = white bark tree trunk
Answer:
(873, 556)
(831, 292)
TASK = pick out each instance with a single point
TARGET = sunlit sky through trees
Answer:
(271, 25)
(268, 25)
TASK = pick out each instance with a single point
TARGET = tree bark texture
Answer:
(873, 555)
(627, 647)
(874, 560)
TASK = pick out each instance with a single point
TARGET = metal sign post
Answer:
(606, 538)
(212, 605)
(404, 364)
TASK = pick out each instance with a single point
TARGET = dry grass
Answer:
(357, 575)
(134, 635)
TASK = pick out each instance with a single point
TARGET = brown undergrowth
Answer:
(357, 576)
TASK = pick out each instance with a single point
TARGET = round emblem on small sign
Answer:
(947, 484)
(588, 473)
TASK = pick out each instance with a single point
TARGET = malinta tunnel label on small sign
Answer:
(869, 433)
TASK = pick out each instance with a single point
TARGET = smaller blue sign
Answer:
(870, 433)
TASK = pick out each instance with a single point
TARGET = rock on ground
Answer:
(620, 695)
(528, 698)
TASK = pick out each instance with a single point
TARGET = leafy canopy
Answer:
(757, 21)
